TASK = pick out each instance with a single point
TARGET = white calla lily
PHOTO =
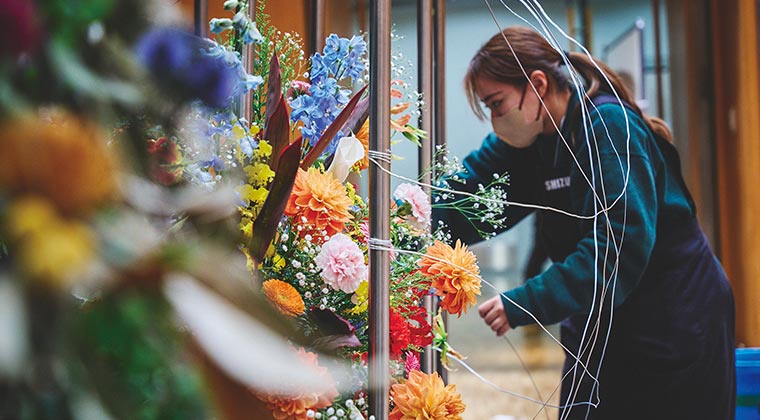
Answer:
(350, 150)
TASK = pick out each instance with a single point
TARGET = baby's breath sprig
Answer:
(484, 209)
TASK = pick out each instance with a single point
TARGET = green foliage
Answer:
(133, 355)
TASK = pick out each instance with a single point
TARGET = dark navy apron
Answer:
(670, 351)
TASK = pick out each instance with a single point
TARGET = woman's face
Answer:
(498, 97)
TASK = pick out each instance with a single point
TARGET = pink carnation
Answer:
(342, 263)
(297, 88)
(418, 200)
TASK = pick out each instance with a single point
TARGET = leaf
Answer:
(331, 131)
(274, 88)
(265, 225)
(277, 131)
(357, 118)
(335, 331)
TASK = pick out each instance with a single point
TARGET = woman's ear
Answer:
(539, 80)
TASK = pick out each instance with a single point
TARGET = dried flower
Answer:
(342, 263)
(424, 396)
(320, 200)
(454, 274)
(284, 297)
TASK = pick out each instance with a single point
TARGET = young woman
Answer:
(647, 312)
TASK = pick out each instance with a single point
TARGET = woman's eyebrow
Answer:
(487, 98)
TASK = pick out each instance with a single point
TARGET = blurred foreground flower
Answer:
(64, 159)
(454, 274)
(50, 248)
(19, 28)
(424, 396)
(177, 60)
(297, 407)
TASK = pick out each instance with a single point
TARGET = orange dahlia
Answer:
(319, 201)
(296, 407)
(454, 274)
(284, 297)
(424, 396)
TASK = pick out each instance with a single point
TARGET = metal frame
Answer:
(379, 207)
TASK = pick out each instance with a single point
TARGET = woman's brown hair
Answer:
(496, 61)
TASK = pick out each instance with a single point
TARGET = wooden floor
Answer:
(496, 361)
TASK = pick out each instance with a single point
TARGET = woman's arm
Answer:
(494, 157)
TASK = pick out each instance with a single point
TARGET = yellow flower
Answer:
(60, 157)
(360, 299)
(454, 274)
(319, 200)
(284, 297)
(263, 151)
(259, 174)
(238, 131)
(253, 195)
(50, 249)
(29, 216)
(425, 397)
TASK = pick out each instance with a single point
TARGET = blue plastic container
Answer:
(748, 384)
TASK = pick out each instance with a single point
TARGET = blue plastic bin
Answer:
(748, 384)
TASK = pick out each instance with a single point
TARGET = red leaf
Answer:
(265, 226)
(277, 132)
(331, 131)
(274, 87)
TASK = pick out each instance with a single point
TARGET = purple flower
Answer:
(178, 61)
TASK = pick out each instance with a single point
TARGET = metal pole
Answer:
(248, 58)
(439, 98)
(379, 207)
(425, 122)
(657, 56)
(318, 25)
(200, 15)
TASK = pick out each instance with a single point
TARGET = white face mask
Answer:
(516, 128)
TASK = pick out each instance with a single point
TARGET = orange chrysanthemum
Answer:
(424, 396)
(284, 297)
(58, 156)
(296, 407)
(454, 274)
(319, 201)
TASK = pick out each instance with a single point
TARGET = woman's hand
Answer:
(492, 312)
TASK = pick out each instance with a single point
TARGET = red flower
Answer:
(164, 158)
(410, 330)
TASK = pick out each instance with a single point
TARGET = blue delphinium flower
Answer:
(341, 58)
(176, 59)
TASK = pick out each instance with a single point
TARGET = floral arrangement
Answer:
(130, 187)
